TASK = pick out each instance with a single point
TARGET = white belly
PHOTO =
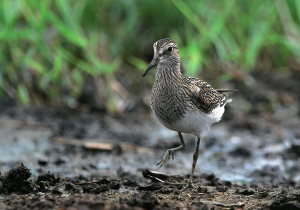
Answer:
(196, 122)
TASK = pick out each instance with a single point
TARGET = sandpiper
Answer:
(183, 104)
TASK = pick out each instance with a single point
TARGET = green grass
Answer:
(49, 48)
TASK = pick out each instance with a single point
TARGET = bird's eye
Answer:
(170, 49)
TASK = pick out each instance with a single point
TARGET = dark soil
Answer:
(48, 192)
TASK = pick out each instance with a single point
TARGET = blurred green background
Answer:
(51, 50)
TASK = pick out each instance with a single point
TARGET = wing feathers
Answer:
(205, 97)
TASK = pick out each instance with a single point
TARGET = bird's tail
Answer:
(224, 91)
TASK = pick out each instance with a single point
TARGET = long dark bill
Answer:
(151, 65)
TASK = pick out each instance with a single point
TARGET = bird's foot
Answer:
(189, 185)
(166, 157)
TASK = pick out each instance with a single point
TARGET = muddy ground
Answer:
(56, 158)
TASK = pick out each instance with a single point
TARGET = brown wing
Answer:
(204, 96)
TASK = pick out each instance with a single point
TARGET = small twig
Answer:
(100, 145)
(22, 124)
(155, 179)
(86, 144)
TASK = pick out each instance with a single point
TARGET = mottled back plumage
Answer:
(204, 96)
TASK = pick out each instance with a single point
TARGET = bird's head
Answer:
(165, 52)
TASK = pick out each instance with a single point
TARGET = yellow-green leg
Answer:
(195, 158)
(170, 152)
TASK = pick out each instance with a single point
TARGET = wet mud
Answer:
(48, 192)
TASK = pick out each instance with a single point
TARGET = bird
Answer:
(182, 104)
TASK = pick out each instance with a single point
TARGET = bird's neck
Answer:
(168, 73)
